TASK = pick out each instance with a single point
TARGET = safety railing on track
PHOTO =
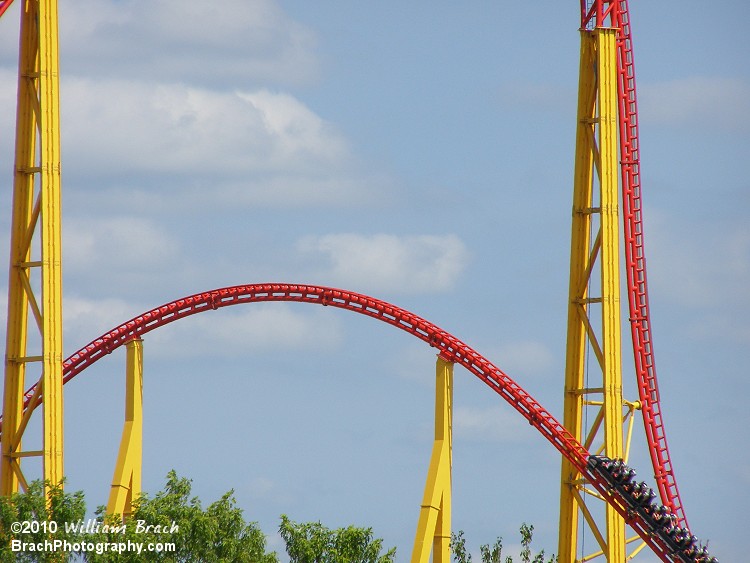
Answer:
(449, 347)
(661, 520)
(635, 265)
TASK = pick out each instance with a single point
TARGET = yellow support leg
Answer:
(595, 266)
(126, 482)
(578, 287)
(35, 283)
(434, 525)
(51, 236)
(610, 273)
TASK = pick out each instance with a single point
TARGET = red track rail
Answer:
(4, 5)
(593, 13)
(615, 13)
(450, 348)
(635, 264)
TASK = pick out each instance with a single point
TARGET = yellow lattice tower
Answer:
(35, 284)
(594, 386)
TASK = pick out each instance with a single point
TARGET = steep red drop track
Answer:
(593, 13)
(616, 13)
(449, 347)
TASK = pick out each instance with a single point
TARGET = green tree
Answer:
(218, 533)
(215, 534)
(315, 543)
(494, 553)
(45, 520)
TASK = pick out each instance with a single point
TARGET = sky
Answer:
(420, 153)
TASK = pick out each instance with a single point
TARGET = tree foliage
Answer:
(215, 534)
(494, 553)
(315, 543)
(32, 506)
(218, 533)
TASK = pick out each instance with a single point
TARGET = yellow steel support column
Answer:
(595, 163)
(35, 283)
(126, 482)
(434, 526)
(610, 273)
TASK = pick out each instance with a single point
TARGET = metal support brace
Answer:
(596, 177)
(35, 284)
(126, 482)
(434, 526)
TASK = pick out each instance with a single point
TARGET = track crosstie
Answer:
(594, 13)
(448, 346)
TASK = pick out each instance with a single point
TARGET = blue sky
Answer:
(421, 154)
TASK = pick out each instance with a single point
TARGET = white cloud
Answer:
(254, 328)
(295, 130)
(383, 262)
(490, 424)
(7, 117)
(9, 32)
(116, 243)
(242, 148)
(130, 121)
(122, 127)
(289, 189)
(711, 102)
(235, 42)
(523, 358)
(86, 319)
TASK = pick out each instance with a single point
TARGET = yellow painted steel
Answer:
(610, 272)
(35, 284)
(126, 481)
(596, 164)
(434, 525)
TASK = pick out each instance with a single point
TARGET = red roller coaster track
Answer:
(593, 13)
(4, 5)
(450, 348)
(635, 266)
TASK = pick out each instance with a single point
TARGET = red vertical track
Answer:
(635, 261)
(594, 14)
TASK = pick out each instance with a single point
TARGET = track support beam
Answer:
(434, 526)
(595, 267)
(126, 481)
(35, 283)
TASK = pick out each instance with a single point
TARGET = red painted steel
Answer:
(615, 14)
(597, 13)
(635, 265)
(593, 13)
(4, 5)
(450, 348)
